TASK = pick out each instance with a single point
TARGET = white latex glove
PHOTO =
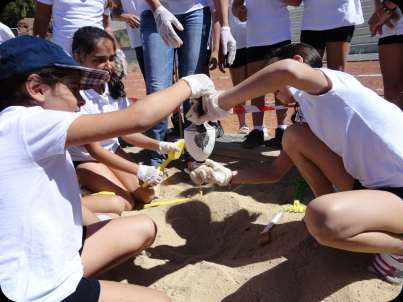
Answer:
(200, 175)
(211, 110)
(219, 175)
(211, 173)
(200, 84)
(166, 147)
(150, 175)
(228, 44)
(164, 20)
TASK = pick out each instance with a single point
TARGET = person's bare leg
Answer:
(391, 61)
(127, 235)
(252, 68)
(98, 177)
(336, 55)
(319, 166)
(123, 292)
(238, 75)
(368, 221)
(104, 203)
(88, 216)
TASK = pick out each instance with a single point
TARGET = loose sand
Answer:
(206, 249)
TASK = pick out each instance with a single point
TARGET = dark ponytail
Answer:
(85, 41)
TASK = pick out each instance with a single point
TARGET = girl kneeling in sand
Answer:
(46, 255)
(351, 140)
(105, 166)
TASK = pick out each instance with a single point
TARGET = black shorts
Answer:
(395, 39)
(266, 52)
(240, 58)
(88, 290)
(397, 191)
(319, 38)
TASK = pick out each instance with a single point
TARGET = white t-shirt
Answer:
(268, 22)
(131, 7)
(98, 103)
(238, 28)
(358, 125)
(329, 14)
(70, 15)
(40, 206)
(5, 33)
(398, 30)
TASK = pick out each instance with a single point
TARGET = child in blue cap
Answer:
(46, 254)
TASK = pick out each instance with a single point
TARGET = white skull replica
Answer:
(199, 141)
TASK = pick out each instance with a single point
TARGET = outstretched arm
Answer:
(272, 173)
(139, 117)
(288, 72)
(111, 159)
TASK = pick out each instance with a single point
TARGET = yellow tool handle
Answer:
(165, 164)
(166, 202)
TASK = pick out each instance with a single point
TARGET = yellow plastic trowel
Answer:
(173, 155)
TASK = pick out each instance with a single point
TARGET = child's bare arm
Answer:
(273, 173)
(111, 159)
(42, 19)
(142, 141)
(139, 117)
(288, 72)
(216, 58)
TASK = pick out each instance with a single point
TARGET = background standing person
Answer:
(383, 13)
(166, 25)
(328, 25)
(129, 12)
(105, 166)
(238, 69)
(391, 57)
(268, 28)
(69, 15)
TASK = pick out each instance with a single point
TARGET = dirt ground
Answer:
(207, 249)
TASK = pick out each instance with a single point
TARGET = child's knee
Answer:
(119, 204)
(323, 220)
(142, 225)
(292, 137)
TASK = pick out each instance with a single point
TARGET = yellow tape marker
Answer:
(296, 207)
(104, 193)
(166, 202)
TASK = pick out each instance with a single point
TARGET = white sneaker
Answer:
(244, 129)
(389, 267)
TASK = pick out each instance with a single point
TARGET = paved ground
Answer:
(368, 72)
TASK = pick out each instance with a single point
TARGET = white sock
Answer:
(260, 128)
(282, 126)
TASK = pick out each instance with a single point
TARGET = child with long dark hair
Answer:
(105, 166)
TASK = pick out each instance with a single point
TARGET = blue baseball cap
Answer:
(27, 54)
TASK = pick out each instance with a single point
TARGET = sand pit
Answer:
(206, 250)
